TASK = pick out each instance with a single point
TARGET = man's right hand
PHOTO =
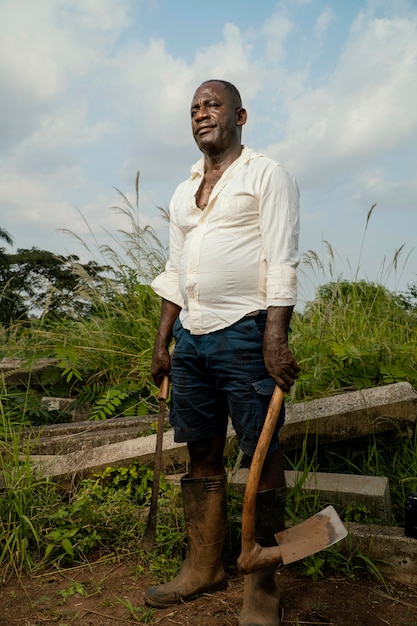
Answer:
(161, 365)
(161, 359)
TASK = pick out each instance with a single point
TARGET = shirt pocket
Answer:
(237, 210)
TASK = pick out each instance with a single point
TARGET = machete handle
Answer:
(149, 535)
(164, 388)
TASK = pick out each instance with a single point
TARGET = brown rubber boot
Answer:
(260, 595)
(205, 520)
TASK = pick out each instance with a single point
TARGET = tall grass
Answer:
(104, 358)
(22, 497)
(353, 334)
(112, 348)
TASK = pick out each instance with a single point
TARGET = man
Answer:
(228, 292)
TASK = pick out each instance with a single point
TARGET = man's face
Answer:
(215, 119)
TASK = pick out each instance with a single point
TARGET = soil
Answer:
(110, 593)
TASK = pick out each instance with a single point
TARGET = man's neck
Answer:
(219, 162)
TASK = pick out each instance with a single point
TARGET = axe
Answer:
(296, 543)
(149, 536)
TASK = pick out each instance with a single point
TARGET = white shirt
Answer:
(237, 255)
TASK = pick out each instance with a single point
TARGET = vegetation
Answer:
(353, 334)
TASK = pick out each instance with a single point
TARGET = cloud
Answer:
(366, 109)
(50, 54)
(375, 186)
(46, 48)
(323, 21)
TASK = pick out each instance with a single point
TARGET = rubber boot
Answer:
(205, 521)
(260, 593)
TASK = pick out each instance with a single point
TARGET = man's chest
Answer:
(204, 191)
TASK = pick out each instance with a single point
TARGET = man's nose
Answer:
(201, 113)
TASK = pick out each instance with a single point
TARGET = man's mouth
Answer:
(203, 129)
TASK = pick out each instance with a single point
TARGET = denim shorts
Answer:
(218, 375)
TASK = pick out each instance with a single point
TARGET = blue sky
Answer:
(91, 91)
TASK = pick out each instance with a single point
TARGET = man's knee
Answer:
(206, 457)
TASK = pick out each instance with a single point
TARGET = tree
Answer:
(37, 283)
(6, 236)
(8, 239)
(11, 302)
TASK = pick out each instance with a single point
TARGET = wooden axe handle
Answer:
(252, 554)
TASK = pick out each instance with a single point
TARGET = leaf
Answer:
(67, 545)
(49, 548)
(55, 535)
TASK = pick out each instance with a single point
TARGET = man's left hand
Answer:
(281, 364)
(279, 359)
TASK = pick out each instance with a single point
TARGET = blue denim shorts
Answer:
(218, 375)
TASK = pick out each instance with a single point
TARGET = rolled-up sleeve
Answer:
(280, 225)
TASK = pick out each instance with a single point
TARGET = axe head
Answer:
(314, 534)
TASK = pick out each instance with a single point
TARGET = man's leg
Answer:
(261, 596)
(204, 496)
(272, 476)
(206, 457)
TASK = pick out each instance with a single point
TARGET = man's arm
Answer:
(279, 226)
(279, 360)
(161, 360)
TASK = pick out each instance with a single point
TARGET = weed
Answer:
(139, 614)
(357, 513)
(75, 588)
(313, 566)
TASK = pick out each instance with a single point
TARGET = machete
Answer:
(149, 536)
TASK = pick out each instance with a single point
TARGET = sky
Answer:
(93, 91)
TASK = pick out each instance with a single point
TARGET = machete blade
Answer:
(314, 534)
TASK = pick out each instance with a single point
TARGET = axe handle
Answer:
(251, 551)
(149, 536)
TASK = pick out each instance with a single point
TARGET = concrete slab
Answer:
(18, 372)
(340, 417)
(345, 416)
(88, 426)
(89, 435)
(350, 415)
(337, 489)
(391, 551)
(86, 461)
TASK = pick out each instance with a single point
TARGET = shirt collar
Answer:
(198, 168)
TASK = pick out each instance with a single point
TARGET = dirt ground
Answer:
(107, 594)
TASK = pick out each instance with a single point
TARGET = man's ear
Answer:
(241, 116)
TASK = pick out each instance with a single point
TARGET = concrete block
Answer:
(341, 490)
(66, 438)
(391, 551)
(18, 372)
(337, 489)
(89, 460)
(66, 406)
(346, 416)
(349, 415)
